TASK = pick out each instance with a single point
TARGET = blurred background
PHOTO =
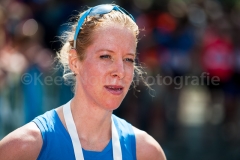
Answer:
(190, 119)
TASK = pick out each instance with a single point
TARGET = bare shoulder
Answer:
(22, 144)
(147, 146)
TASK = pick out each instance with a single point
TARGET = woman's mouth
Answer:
(114, 89)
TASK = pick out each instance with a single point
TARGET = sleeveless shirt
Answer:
(57, 144)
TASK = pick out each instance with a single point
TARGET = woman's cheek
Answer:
(130, 72)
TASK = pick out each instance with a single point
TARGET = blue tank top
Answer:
(57, 144)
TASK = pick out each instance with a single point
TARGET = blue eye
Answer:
(105, 57)
(129, 60)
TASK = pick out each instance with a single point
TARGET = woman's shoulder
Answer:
(46, 121)
(23, 143)
(147, 146)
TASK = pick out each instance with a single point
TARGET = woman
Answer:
(99, 53)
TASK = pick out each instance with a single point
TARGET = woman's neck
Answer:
(93, 123)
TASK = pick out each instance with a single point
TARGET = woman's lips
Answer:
(114, 89)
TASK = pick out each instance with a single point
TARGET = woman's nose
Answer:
(118, 69)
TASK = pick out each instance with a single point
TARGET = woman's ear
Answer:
(73, 61)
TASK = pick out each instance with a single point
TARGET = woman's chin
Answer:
(112, 106)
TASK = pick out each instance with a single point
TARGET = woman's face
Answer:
(106, 73)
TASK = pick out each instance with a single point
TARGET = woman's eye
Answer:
(129, 60)
(105, 57)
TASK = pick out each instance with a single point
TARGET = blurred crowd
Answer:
(183, 45)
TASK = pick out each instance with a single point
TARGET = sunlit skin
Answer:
(108, 61)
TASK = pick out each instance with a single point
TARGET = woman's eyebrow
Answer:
(111, 51)
(131, 54)
(108, 50)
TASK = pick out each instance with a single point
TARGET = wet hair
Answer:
(85, 39)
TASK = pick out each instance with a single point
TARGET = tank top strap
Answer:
(126, 135)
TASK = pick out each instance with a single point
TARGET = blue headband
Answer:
(98, 10)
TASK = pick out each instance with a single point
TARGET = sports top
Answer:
(57, 144)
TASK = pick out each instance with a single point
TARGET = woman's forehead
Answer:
(111, 37)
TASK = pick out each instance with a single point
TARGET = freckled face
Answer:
(106, 73)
